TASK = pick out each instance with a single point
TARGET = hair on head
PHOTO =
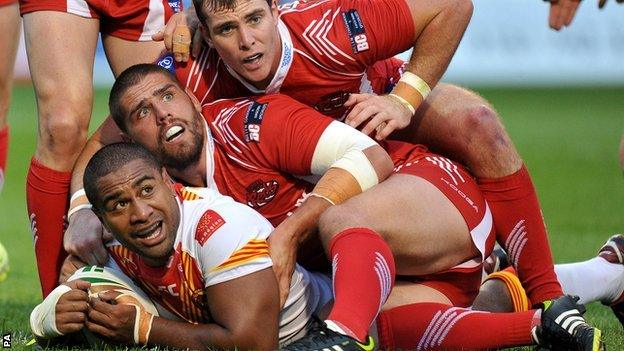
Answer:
(203, 6)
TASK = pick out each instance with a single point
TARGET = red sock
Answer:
(520, 229)
(47, 197)
(4, 150)
(363, 274)
(435, 326)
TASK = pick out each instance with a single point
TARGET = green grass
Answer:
(568, 138)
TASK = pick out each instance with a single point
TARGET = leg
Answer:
(9, 26)
(122, 53)
(60, 48)
(461, 124)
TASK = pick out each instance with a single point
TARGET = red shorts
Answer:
(461, 283)
(135, 20)
(7, 2)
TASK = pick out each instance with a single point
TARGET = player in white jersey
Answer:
(192, 251)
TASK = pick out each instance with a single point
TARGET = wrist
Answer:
(410, 90)
(77, 202)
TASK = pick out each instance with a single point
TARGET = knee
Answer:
(485, 132)
(63, 120)
(334, 220)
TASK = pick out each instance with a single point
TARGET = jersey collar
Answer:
(285, 62)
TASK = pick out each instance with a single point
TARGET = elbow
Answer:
(381, 162)
(461, 9)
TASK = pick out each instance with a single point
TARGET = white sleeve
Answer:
(235, 242)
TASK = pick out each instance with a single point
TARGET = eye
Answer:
(255, 19)
(168, 97)
(119, 205)
(143, 112)
(146, 190)
(226, 29)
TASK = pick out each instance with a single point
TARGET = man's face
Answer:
(247, 39)
(163, 118)
(140, 209)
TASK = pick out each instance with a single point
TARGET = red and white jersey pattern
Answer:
(217, 240)
(261, 146)
(135, 20)
(330, 48)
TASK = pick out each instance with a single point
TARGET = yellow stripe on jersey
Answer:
(188, 195)
(253, 250)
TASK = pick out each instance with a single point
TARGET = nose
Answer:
(141, 212)
(162, 114)
(247, 39)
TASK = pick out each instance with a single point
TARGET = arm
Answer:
(84, 235)
(349, 163)
(245, 312)
(438, 28)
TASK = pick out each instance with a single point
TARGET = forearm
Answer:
(182, 335)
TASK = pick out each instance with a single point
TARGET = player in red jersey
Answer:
(321, 59)
(61, 38)
(9, 26)
(153, 100)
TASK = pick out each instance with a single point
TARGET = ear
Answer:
(194, 100)
(205, 34)
(274, 10)
(165, 175)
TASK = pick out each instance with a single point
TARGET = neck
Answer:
(262, 85)
(193, 174)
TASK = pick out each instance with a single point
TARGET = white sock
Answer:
(592, 280)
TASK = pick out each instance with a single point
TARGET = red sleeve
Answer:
(384, 75)
(367, 31)
(271, 131)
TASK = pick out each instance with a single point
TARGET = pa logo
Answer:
(6, 341)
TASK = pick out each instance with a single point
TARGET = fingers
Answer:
(554, 16)
(359, 102)
(80, 285)
(181, 41)
(562, 13)
(109, 296)
(385, 129)
(569, 10)
(159, 36)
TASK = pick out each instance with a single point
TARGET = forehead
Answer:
(126, 177)
(145, 88)
(241, 7)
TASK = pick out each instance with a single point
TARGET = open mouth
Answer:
(173, 133)
(253, 58)
(149, 234)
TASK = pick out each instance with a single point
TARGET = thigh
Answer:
(135, 20)
(406, 293)
(60, 48)
(9, 27)
(122, 53)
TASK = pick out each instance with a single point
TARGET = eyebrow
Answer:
(247, 17)
(157, 92)
(116, 194)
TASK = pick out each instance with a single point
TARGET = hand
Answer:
(562, 12)
(385, 114)
(177, 35)
(283, 251)
(72, 307)
(111, 320)
(70, 265)
(85, 238)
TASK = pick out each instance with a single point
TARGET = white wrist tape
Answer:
(142, 320)
(417, 83)
(76, 209)
(403, 102)
(341, 146)
(77, 194)
(43, 317)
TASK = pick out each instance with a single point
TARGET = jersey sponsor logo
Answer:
(167, 62)
(253, 119)
(356, 31)
(260, 193)
(176, 5)
(208, 224)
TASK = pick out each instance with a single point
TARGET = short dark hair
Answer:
(215, 5)
(129, 77)
(109, 159)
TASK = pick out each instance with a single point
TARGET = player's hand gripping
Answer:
(112, 320)
(283, 250)
(72, 308)
(181, 35)
(384, 114)
(85, 237)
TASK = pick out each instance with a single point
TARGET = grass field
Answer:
(568, 138)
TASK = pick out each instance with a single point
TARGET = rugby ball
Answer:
(106, 279)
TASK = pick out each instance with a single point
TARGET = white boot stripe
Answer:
(566, 314)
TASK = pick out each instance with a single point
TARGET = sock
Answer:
(4, 150)
(47, 197)
(521, 231)
(363, 275)
(592, 280)
(435, 326)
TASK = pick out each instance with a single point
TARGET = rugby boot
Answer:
(319, 337)
(613, 252)
(564, 328)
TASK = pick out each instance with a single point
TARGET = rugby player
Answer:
(204, 258)
(9, 26)
(61, 38)
(562, 12)
(309, 51)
